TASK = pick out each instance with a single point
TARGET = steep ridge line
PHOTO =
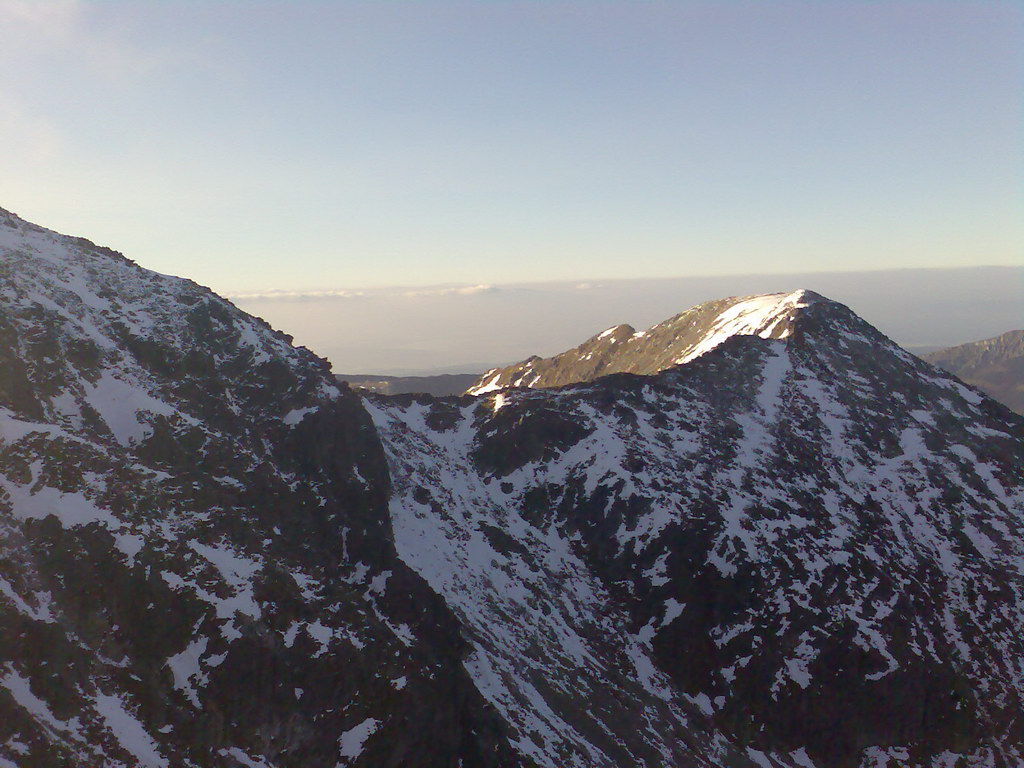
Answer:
(677, 340)
(995, 366)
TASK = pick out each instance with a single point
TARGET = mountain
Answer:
(995, 366)
(196, 564)
(814, 536)
(621, 349)
(441, 385)
(800, 548)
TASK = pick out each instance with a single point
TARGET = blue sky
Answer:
(302, 145)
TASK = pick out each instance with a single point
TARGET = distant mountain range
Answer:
(424, 332)
(789, 544)
(439, 385)
(995, 366)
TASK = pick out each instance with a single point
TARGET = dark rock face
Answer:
(816, 540)
(995, 366)
(196, 564)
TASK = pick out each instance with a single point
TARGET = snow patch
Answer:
(129, 732)
(353, 741)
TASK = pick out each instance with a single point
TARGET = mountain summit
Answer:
(621, 349)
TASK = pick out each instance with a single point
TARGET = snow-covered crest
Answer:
(682, 338)
(769, 316)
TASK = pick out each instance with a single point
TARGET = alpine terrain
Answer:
(771, 538)
(995, 366)
(196, 562)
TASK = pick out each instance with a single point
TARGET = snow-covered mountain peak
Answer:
(615, 334)
(769, 316)
(677, 340)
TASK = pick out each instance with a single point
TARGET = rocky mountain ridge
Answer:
(621, 349)
(799, 548)
(995, 366)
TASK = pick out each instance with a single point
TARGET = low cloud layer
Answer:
(379, 293)
(280, 295)
(467, 290)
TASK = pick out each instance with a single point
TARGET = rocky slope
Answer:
(995, 366)
(813, 537)
(196, 562)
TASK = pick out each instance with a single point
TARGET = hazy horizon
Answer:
(453, 329)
